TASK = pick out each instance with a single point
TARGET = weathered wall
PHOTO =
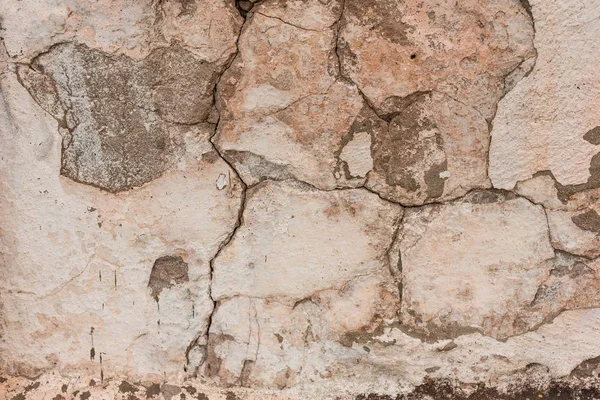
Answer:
(299, 198)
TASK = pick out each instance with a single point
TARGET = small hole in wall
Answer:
(413, 56)
(244, 6)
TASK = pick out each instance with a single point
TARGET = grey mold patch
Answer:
(588, 221)
(593, 136)
(167, 272)
(120, 118)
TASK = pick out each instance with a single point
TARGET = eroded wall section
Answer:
(297, 199)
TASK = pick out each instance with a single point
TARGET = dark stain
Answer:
(527, 7)
(20, 396)
(435, 184)
(231, 396)
(593, 136)
(365, 336)
(489, 196)
(190, 389)
(574, 267)
(31, 387)
(168, 391)
(213, 363)
(85, 395)
(2, 379)
(121, 115)
(58, 397)
(188, 7)
(400, 152)
(393, 105)
(588, 221)
(166, 272)
(260, 168)
(448, 346)
(202, 396)
(92, 383)
(243, 7)
(245, 373)
(153, 390)
(64, 388)
(588, 369)
(382, 17)
(446, 390)
(92, 354)
(211, 157)
(126, 387)
(564, 192)
(430, 332)
(366, 121)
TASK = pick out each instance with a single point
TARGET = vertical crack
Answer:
(241, 209)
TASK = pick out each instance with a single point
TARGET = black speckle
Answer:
(413, 56)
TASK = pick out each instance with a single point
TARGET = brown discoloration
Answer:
(153, 390)
(213, 362)
(564, 192)
(246, 161)
(167, 272)
(126, 387)
(593, 136)
(383, 16)
(168, 391)
(443, 389)
(231, 396)
(119, 112)
(392, 106)
(245, 374)
(588, 369)
(410, 154)
(489, 196)
(435, 183)
(588, 221)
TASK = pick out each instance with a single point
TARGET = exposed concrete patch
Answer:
(116, 114)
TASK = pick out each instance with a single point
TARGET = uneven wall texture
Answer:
(299, 199)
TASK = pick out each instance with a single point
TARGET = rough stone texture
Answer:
(299, 199)
(489, 269)
(462, 49)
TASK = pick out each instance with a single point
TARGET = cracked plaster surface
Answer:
(284, 198)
